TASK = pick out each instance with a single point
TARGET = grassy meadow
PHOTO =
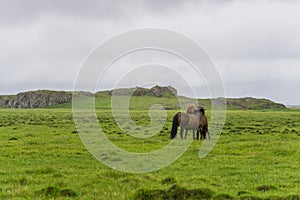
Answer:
(42, 157)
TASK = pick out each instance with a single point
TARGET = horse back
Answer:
(189, 121)
(183, 118)
(193, 121)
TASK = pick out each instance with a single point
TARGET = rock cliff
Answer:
(36, 99)
(4, 100)
(157, 91)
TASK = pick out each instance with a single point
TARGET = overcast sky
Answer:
(254, 44)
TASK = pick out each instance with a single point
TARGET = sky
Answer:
(254, 45)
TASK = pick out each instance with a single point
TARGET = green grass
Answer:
(42, 157)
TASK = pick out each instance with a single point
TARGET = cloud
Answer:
(254, 44)
(276, 80)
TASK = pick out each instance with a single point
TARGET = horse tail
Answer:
(175, 125)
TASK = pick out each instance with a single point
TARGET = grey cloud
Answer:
(17, 11)
(30, 11)
(270, 79)
(253, 43)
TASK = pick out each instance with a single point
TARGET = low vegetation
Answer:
(42, 157)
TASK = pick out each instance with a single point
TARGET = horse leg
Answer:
(181, 133)
(197, 136)
(193, 134)
(205, 132)
(201, 134)
(208, 135)
(185, 133)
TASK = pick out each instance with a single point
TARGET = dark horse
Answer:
(186, 122)
(203, 126)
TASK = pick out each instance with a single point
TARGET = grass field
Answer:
(42, 157)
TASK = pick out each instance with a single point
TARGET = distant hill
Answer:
(249, 103)
(142, 98)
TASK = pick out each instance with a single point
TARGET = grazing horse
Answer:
(190, 109)
(203, 126)
(186, 122)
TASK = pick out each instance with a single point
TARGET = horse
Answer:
(186, 122)
(190, 109)
(203, 126)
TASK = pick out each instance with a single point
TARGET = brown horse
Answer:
(203, 126)
(186, 122)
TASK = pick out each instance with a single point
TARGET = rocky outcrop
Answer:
(44, 98)
(4, 100)
(157, 91)
(39, 99)
(119, 92)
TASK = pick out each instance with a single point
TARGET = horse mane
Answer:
(201, 110)
(190, 108)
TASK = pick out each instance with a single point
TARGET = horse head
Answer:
(191, 108)
(201, 109)
(197, 112)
